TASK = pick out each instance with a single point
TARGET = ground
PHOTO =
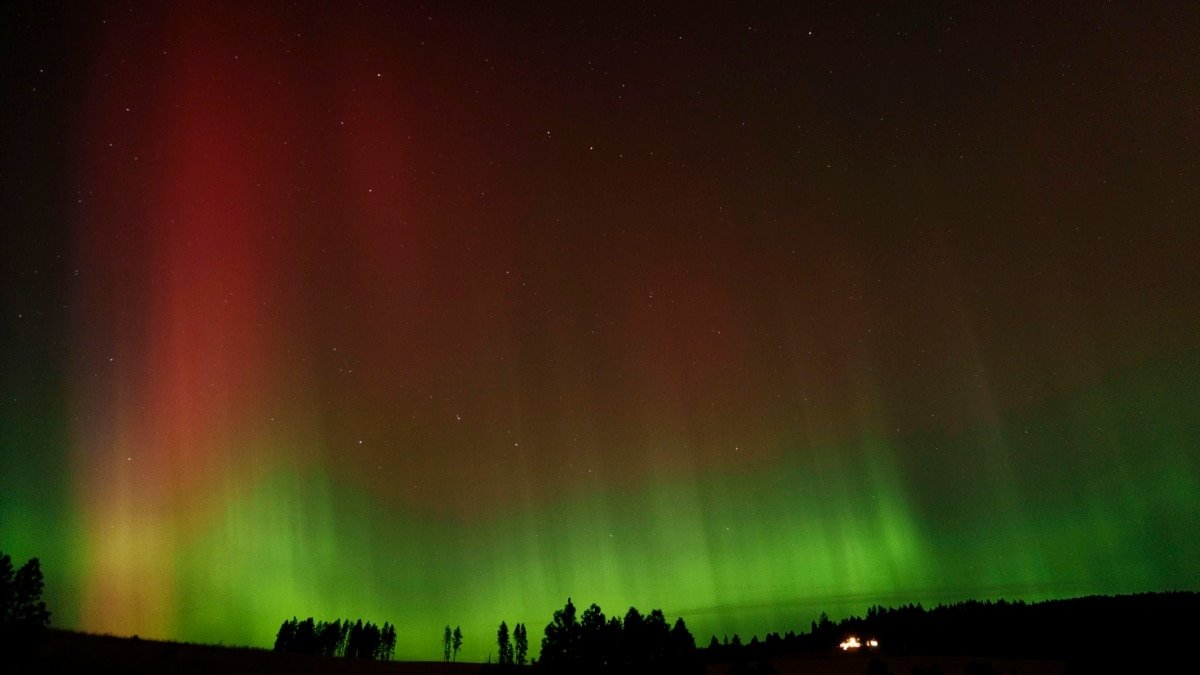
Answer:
(71, 652)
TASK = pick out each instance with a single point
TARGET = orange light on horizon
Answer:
(852, 643)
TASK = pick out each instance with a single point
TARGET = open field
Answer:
(68, 651)
(71, 652)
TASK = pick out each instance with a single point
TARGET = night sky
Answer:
(442, 314)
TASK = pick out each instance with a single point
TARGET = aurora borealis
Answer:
(441, 314)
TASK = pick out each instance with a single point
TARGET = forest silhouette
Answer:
(592, 642)
(338, 638)
(1080, 630)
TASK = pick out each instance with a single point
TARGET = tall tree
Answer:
(506, 649)
(6, 582)
(457, 641)
(682, 642)
(372, 640)
(344, 637)
(592, 649)
(387, 642)
(521, 646)
(447, 643)
(306, 637)
(634, 647)
(561, 637)
(286, 635)
(329, 634)
(657, 635)
(354, 645)
(22, 612)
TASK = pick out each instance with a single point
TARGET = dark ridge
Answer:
(1123, 625)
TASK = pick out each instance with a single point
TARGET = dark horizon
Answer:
(1067, 634)
(440, 314)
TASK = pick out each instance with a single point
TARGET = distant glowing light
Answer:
(852, 643)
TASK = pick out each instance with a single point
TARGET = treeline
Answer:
(23, 615)
(593, 642)
(1051, 629)
(339, 638)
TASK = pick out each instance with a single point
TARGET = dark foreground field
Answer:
(70, 652)
(859, 664)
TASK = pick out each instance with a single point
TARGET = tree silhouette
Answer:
(306, 637)
(23, 615)
(371, 642)
(682, 645)
(387, 642)
(457, 644)
(633, 638)
(447, 643)
(329, 638)
(592, 632)
(521, 644)
(614, 638)
(561, 636)
(339, 638)
(657, 636)
(637, 644)
(506, 649)
(286, 635)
